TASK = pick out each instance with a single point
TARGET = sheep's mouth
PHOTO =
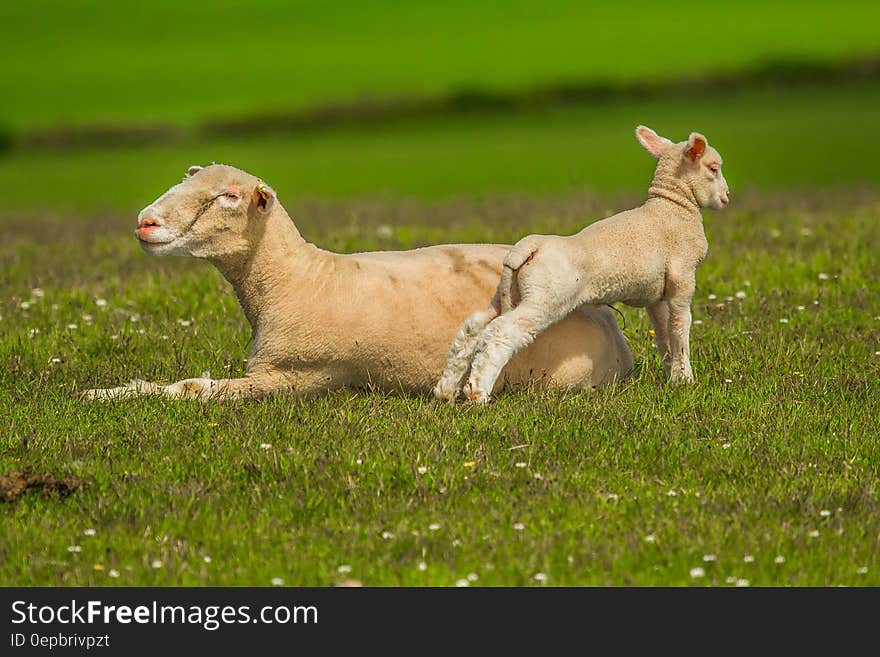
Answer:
(153, 242)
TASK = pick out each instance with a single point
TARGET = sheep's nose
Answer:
(146, 222)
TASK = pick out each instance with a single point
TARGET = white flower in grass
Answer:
(538, 475)
(74, 548)
(184, 322)
(801, 308)
(862, 570)
(520, 464)
(434, 526)
(473, 577)
(422, 469)
(877, 353)
(823, 276)
(741, 294)
(387, 535)
(38, 292)
(731, 579)
(671, 492)
(462, 583)
(779, 559)
(343, 569)
(101, 303)
(728, 380)
(813, 533)
(725, 445)
(89, 532)
(72, 327)
(540, 577)
(783, 320)
(113, 573)
(712, 297)
(728, 298)
(806, 231)
(384, 231)
(115, 336)
(359, 461)
(697, 322)
(206, 559)
(134, 318)
(518, 526)
(650, 538)
(422, 566)
(265, 445)
(55, 360)
(33, 332)
(748, 558)
(157, 564)
(824, 513)
(743, 582)
(87, 318)
(24, 305)
(709, 558)
(277, 581)
(697, 572)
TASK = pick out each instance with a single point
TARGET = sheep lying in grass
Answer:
(646, 257)
(323, 320)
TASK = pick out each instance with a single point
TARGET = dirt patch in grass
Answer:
(15, 483)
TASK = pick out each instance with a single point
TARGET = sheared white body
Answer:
(646, 257)
(323, 320)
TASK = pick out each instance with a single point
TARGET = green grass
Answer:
(168, 61)
(770, 139)
(781, 427)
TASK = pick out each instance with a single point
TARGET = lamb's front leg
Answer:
(679, 333)
(658, 313)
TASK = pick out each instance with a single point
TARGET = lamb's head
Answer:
(691, 166)
(215, 212)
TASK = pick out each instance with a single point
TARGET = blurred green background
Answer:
(106, 104)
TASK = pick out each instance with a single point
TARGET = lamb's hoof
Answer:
(476, 395)
(681, 378)
(445, 394)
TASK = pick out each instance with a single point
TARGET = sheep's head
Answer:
(216, 211)
(692, 163)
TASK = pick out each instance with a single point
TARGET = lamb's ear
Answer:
(264, 197)
(653, 143)
(696, 146)
(193, 170)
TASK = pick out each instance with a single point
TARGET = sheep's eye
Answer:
(714, 169)
(232, 196)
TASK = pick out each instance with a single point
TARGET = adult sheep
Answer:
(323, 320)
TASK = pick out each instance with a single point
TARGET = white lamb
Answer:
(645, 257)
(324, 320)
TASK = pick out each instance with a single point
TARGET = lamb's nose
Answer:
(146, 222)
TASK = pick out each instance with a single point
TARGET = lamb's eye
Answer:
(714, 169)
(232, 196)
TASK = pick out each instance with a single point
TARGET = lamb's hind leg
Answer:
(461, 352)
(501, 339)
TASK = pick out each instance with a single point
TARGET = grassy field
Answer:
(93, 61)
(764, 473)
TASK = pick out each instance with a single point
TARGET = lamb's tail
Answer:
(518, 256)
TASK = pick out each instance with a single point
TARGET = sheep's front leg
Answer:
(659, 316)
(458, 362)
(500, 340)
(679, 332)
(204, 388)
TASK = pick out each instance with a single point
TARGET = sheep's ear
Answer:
(696, 147)
(652, 142)
(193, 170)
(264, 197)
